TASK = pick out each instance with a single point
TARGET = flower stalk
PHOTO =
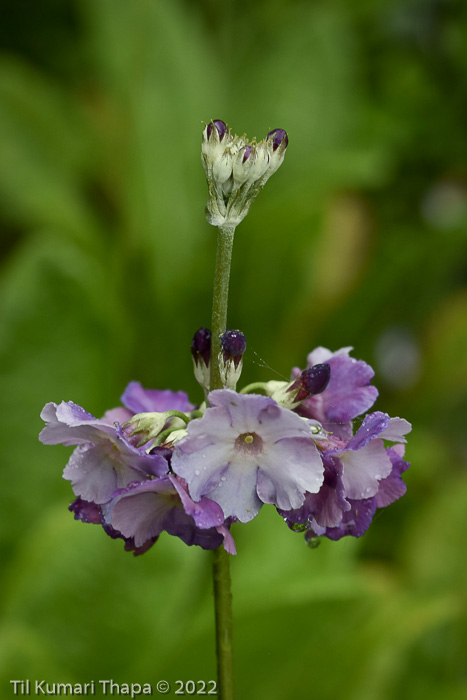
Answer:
(223, 616)
(221, 562)
(225, 239)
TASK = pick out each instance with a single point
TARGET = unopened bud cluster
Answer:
(237, 169)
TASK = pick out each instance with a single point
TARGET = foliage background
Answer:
(106, 266)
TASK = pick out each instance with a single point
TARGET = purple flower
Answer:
(348, 394)
(360, 476)
(245, 451)
(103, 460)
(143, 510)
(365, 459)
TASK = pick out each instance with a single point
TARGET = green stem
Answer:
(221, 561)
(223, 613)
(225, 239)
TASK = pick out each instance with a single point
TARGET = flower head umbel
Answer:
(159, 464)
(245, 451)
(237, 170)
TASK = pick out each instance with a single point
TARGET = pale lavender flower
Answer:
(103, 460)
(245, 451)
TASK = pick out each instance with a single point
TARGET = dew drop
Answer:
(197, 472)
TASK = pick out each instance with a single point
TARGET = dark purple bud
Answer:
(278, 136)
(201, 346)
(233, 345)
(220, 126)
(312, 381)
(247, 153)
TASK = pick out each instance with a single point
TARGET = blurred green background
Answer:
(106, 271)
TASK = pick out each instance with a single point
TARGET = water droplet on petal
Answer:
(197, 472)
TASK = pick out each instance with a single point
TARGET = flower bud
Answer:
(220, 126)
(260, 164)
(201, 353)
(222, 167)
(277, 141)
(277, 138)
(243, 162)
(233, 346)
(146, 426)
(216, 137)
(311, 381)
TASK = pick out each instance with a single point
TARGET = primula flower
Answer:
(103, 460)
(245, 451)
(360, 475)
(143, 510)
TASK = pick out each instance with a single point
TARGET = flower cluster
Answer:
(161, 464)
(237, 170)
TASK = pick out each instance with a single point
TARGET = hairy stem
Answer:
(221, 561)
(223, 614)
(225, 239)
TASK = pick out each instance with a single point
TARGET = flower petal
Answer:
(94, 475)
(392, 487)
(348, 393)
(397, 428)
(364, 469)
(356, 521)
(140, 400)
(69, 424)
(236, 492)
(288, 469)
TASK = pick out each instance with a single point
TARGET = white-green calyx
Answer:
(150, 426)
(236, 170)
